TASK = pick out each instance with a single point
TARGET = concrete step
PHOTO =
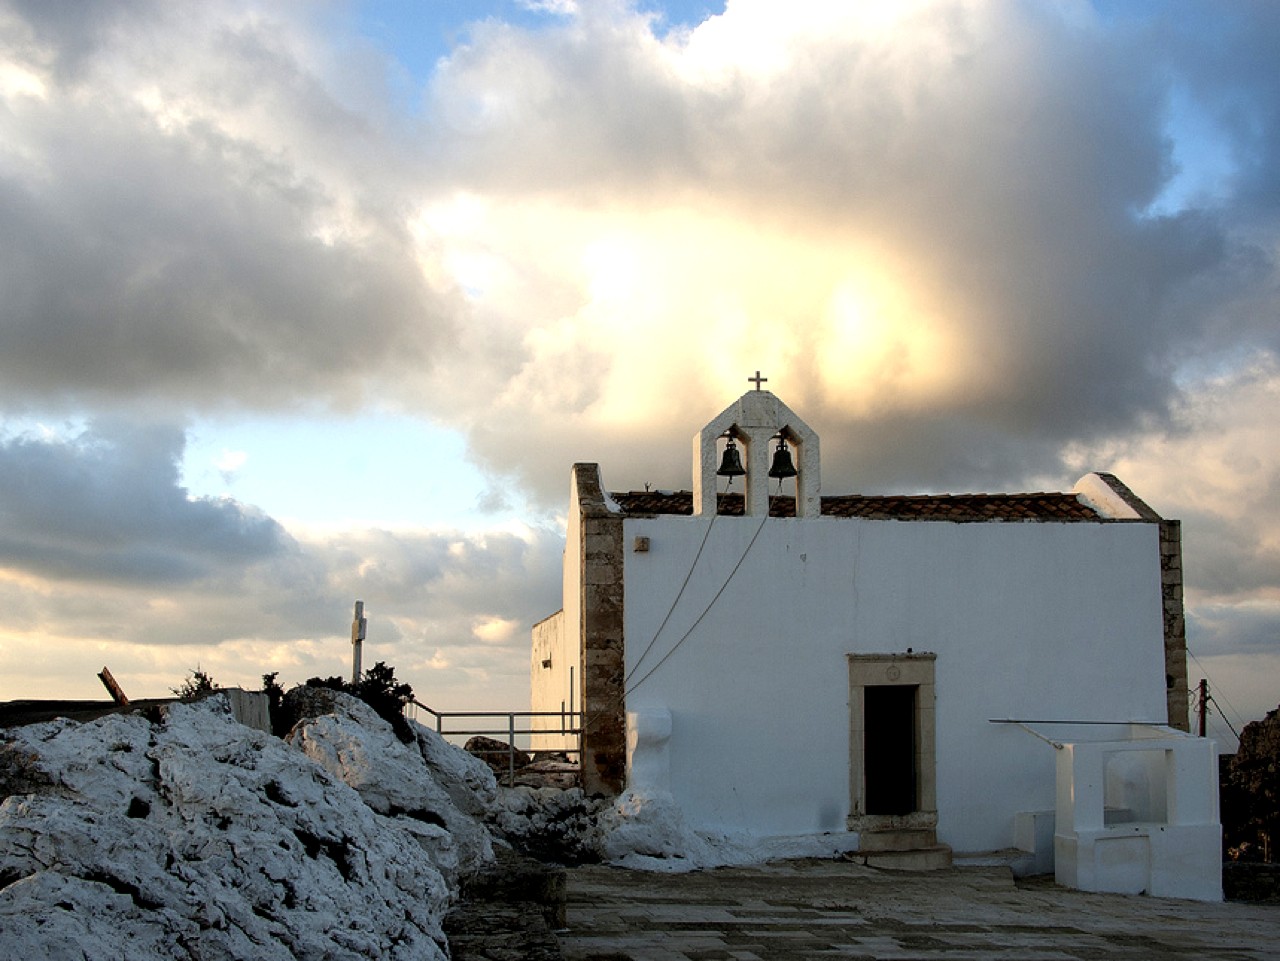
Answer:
(916, 859)
(902, 839)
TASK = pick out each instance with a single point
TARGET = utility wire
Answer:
(1223, 715)
(679, 594)
(705, 611)
(1213, 685)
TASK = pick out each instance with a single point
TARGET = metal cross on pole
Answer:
(757, 380)
(358, 627)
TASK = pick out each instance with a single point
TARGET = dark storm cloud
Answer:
(1214, 629)
(247, 242)
(108, 507)
(186, 255)
(127, 555)
(70, 31)
(1229, 65)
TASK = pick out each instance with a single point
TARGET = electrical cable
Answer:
(679, 594)
(705, 611)
(1213, 686)
(1223, 715)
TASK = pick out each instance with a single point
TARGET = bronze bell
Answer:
(782, 466)
(730, 463)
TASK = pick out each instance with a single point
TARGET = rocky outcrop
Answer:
(1251, 793)
(360, 749)
(195, 837)
(549, 824)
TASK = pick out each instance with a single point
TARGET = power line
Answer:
(679, 594)
(1223, 715)
(705, 611)
(1214, 685)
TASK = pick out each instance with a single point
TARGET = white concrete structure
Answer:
(840, 670)
(1138, 816)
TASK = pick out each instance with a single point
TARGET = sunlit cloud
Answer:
(229, 463)
(498, 630)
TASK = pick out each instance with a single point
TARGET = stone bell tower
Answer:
(755, 421)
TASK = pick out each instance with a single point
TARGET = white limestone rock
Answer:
(359, 748)
(549, 824)
(467, 779)
(200, 838)
(646, 831)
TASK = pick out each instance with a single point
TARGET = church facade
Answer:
(904, 673)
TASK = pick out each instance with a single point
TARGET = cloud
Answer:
(229, 463)
(929, 224)
(929, 230)
(105, 506)
(1216, 467)
(105, 556)
(188, 221)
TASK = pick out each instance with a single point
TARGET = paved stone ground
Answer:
(836, 909)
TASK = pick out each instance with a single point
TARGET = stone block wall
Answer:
(1175, 624)
(604, 735)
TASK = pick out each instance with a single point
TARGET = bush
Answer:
(196, 686)
(381, 691)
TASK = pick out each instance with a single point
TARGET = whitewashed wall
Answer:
(553, 683)
(1028, 620)
(559, 637)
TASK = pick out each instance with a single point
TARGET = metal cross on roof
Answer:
(757, 380)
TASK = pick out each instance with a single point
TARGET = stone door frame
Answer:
(876, 670)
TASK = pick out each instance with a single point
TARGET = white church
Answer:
(910, 676)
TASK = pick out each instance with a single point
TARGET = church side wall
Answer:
(554, 685)
(1028, 620)
(559, 637)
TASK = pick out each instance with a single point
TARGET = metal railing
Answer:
(570, 726)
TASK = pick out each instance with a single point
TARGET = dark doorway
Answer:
(889, 762)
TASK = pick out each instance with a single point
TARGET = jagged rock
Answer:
(549, 824)
(499, 755)
(360, 749)
(1251, 791)
(197, 838)
(549, 770)
(639, 828)
(468, 780)
(302, 703)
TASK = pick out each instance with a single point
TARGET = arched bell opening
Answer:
(735, 465)
(784, 454)
(732, 465)
(757, 425)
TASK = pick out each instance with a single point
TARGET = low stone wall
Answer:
(510, 910)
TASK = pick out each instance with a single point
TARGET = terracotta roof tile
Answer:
(1044, 506)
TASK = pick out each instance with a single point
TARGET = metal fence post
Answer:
(511, 750)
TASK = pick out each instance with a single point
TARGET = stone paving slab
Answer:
(838, 909)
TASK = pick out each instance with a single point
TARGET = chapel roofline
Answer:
(957, 508)
(1111, 497)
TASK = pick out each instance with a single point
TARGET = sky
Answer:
(309, 302)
